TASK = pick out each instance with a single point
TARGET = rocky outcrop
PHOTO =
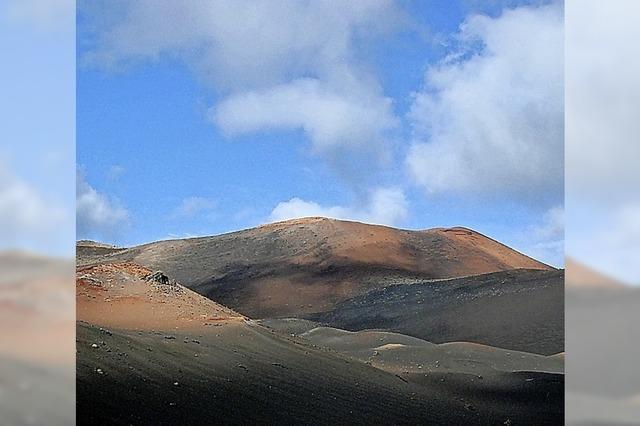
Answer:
(159, 277)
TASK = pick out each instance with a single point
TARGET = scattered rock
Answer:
(159, 277)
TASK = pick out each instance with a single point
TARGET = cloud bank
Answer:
(276, 65)
(490, 117)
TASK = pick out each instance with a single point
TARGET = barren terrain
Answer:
(264, 341)
(518, 310)
(309, 265)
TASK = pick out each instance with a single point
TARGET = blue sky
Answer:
(403, 113)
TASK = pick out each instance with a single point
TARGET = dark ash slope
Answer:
(249, 375)
(520, 310)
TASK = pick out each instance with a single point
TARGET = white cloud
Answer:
(278, 65)
(193, 206)
(240, 44)
(329, 118)
(385, 206)
(96, 215)
(546, 239)
(490, 119)
(26, 214)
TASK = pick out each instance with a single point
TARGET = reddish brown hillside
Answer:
(308, 265)
(129, 296)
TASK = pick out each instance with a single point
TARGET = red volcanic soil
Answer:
(118, 295)
(442, 252)
(309, 265)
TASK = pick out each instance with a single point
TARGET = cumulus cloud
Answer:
(329, 118)
(385, 206)
(25, 213)
(490, 117)
(97, 216)
(240, 44)
(277, 65)
(192, 206)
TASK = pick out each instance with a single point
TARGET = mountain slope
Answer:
(402, 354)
(518, 310)
(309, 265)
(244, 374)
(162, 362)
(126, 295)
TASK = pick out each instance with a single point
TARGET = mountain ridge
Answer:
(315, 262)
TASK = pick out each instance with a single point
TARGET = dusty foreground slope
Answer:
(518, 310)
(244, 374)
(308, 265)
(198, 362)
